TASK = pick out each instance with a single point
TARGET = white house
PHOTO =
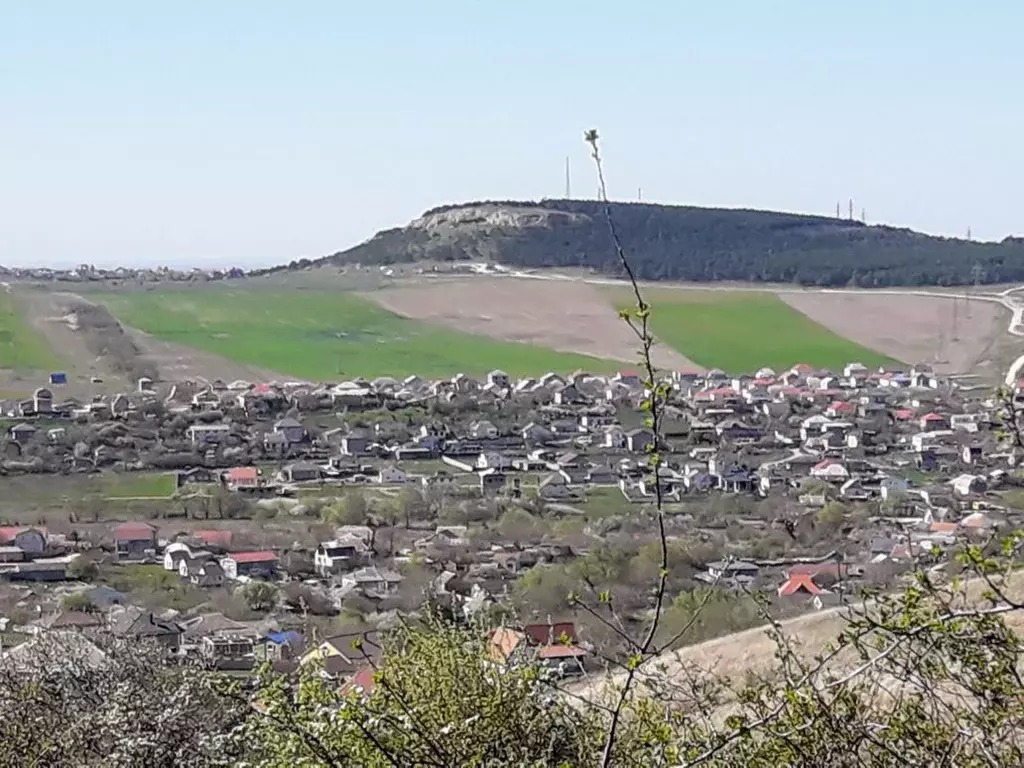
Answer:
(339, 554)
(391, 474)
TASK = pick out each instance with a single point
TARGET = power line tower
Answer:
(838, 215)
(851, 209)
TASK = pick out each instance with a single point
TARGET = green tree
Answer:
(78, 601)
(83, 568)
(260, 596)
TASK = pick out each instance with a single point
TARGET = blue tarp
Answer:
(58, 377)
(281, 638)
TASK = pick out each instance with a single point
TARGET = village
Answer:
(302, 516)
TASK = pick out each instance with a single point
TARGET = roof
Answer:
(134, 532)
(799, 582)
(363, 680)
(8, 532)
(289, 637)
(503, 642)
(240, 474)
(264, 556)
(933, 417)
(550, 634)
(213, 536)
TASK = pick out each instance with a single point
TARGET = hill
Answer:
(687, 243)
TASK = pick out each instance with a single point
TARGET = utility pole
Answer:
(568, 181)
(838, 215)
(851, 209)
(863, 216)
(639, 195)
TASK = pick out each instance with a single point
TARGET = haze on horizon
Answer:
(256, 133)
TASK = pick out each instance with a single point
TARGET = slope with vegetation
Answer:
(688, 243)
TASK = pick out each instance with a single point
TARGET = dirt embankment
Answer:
(567, 316)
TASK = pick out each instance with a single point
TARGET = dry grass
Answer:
(568, 316)
(751, 653)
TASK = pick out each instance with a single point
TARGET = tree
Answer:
(83, 568)
(65, 700)
(353, 509)
(78, 601)
(260, 596)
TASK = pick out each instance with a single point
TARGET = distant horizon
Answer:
(212, 263)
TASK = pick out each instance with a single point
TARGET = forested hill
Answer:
(688, 243)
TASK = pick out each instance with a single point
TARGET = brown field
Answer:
(567, 316)
(910, 328)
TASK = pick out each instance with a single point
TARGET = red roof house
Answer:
(243, 476)
(799, 584)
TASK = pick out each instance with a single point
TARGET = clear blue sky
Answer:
(230, 132)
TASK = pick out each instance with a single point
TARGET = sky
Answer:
(251, 133)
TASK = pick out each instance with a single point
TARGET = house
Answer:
(966, 485)
(11, 554)
(493, 460)
(134, 540)
(42, 400)
(201, 434)
(373, 580)
(31, 541)
(799, 584)
(261, 564)
(499, 379)
(638, 440)
(536, 433)
(483, 429)
(831, 471)
(301, 471)
(204, 573)
(213, 538)
(444, 536)
(554, 645)
(228, 651)
(174, 554)
(355, 445)
(242, 477)
(340, 554)
(391, 474)
(934, 422)
(282, 646)
(292, 430)
(491, 482)
(730, 571)
(22, 433)
(341, 656)
(136, 624)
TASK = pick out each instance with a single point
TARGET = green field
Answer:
(139, 485)
(324, 335)
(741, 331)
(21, 347)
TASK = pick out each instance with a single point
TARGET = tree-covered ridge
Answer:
(692, 244)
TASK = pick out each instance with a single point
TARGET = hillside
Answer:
(686, 243)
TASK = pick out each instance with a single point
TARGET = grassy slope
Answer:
(323, 335)
(742, 331)
(20, 346)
